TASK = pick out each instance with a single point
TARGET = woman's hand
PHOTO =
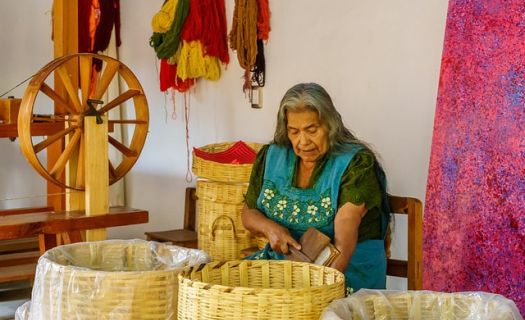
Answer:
(256, 222)
(280, 238)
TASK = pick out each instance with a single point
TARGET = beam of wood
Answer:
(85, 78)
(65, 41)
(18, 258)
(397, 268)
(120, 99)
(108, 74)
(69, 86)
(59, 135)
(112, 172)
(60, 164)
(56, 98)
(127, 122)
(96, 172)
(18, 273)
(9, 212)
(122, 148)
(28, 225)
(79, 181)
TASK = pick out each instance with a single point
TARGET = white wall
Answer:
(25, 36)
(378, 59)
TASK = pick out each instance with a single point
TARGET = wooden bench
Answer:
(21, 228)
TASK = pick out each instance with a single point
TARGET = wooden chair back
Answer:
(411, 268)
(190, 209)
(187, 236)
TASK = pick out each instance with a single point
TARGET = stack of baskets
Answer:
(220, 192)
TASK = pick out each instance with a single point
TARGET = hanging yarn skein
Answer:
(190, 39)
(250, 26)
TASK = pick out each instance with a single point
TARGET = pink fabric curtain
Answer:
(474, 231)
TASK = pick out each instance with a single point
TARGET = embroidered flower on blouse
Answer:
(294, 217)
(326, 202)
(312, 210)
(282, 204)
(268, 193)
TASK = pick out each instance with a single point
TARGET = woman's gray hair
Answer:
(311, 96)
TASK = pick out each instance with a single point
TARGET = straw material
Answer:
(258, 289)
(261, 242)
(224, 241)
(110, 280)
(231, 193)
(223, 172)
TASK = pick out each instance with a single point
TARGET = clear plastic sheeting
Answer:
(112, 279)
(407, 305)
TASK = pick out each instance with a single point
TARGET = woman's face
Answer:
(308, 136)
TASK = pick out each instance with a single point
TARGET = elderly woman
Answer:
(316, 173)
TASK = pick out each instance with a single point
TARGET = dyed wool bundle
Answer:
(190, 37)
(250, 26)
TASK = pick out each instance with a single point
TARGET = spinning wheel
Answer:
(79, 100)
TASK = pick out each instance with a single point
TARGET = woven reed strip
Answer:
(209, 212)
(222, 192)
(212, 300)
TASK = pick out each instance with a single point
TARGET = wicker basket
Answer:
(113, 279)
(223, 172)
(412, 305)
(230, 193)
(224, 241)
(209, 211)
(265, 289)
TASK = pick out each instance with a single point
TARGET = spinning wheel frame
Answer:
(75, 108)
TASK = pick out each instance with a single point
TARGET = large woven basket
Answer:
(415, 305)
(222, 171)
(113, 279)
(224, 241)
(262, 290)
(230, 193)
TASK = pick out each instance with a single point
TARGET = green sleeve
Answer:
(359, 182)
(256, 178)
(360, 185)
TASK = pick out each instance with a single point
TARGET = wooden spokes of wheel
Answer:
(72, 102)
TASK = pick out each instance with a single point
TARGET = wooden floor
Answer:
(12, 295)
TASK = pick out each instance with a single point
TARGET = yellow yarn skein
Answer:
(162, 20)
(193, 64)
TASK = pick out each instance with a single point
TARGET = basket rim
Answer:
(87, 271)
(183, 279)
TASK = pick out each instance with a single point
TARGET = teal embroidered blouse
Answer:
(358, 185)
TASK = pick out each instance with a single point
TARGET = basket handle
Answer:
(214, 226)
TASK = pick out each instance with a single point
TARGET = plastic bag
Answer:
(384, 304)
(111, 279)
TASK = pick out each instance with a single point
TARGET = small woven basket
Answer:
(223, 172)
(264, 289)
(112, 279)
